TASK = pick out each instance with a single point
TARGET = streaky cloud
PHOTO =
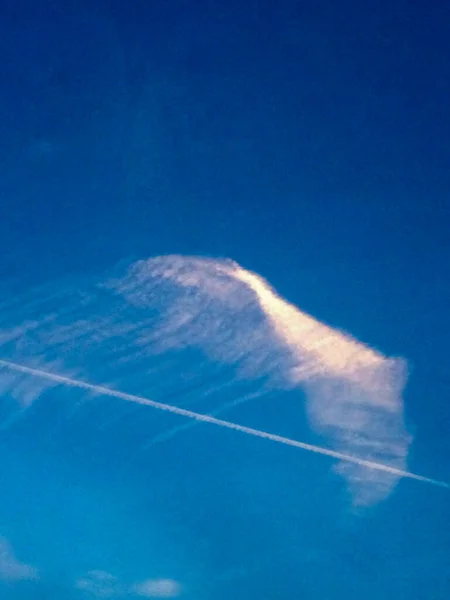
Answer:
(206, 332)
(102, 584)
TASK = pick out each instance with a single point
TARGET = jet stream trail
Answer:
(219, 422)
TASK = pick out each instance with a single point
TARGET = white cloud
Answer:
(11, 569)
(158, 588)
(102, 584)
(165, 306)
(99, 583)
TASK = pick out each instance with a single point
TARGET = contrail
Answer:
(219, 422)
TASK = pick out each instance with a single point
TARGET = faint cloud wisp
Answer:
(158, 588)
(102, 584)
(12, 569)
(166, 324)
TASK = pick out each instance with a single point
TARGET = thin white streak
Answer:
(219, 422)
(168, 434)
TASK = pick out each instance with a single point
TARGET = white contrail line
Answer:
(168, 434)
(99, 389)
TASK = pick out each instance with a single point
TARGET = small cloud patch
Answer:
(101, 584)
(158, 588)
(11, 569)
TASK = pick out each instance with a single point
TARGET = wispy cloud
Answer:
(158, 588)
(11, 568)
(101, 584)
(130, 332)
(354, 393)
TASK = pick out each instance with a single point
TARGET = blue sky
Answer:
(310, 143)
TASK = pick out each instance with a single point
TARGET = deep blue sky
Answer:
(308, 141)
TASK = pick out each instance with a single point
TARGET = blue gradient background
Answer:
(308, 141)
